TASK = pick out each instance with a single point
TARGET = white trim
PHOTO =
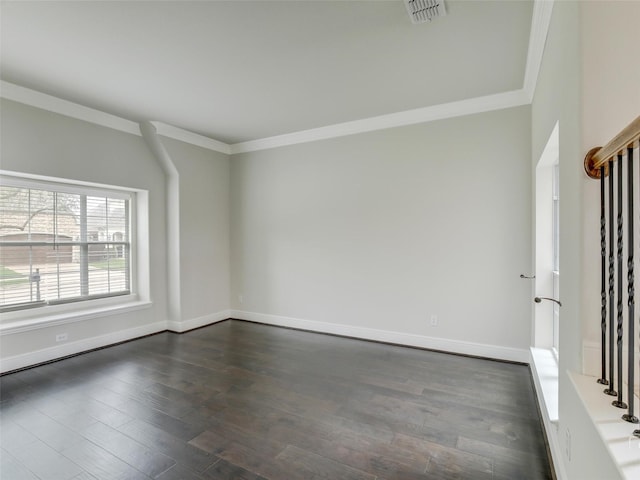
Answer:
(210, 319)
(614, 432)
(8, 364)
(591, 358)
(172, 202)
(65, 317)
(540, 21)
(388, 336)
(470, 106)
(59, 184)
(544, 370)
(409, 117)
(50, 103)
(191, 138)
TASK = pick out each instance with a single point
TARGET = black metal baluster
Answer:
(636, 432)
(619, 403)
(629, 416)
(610, 390)
(603, 281)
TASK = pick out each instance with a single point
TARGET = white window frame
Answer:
(60, 313)
(545, 260)
(556, 256)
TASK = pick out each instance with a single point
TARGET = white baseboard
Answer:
(388, 336)
(186, 325)
(447, 345)
(591, 361)
(71, 348)
(591, 358)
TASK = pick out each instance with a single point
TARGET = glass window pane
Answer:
(67, 217)
(57, 246)
(96, 219)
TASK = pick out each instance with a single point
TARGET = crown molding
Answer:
(409, 117)
(189, 137)
(53, 104)
(470, 106)
(540, 21)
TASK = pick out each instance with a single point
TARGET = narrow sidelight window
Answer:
(556, 254)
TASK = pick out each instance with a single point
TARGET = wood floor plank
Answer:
(47, 430)
(125, 448)
(75, 409)
(14, 435)
(507, 462)
(259, 462)
(314, 466)
(84, 476)
(223, 435)
(446, 462)
(14, 389)
(146, 412)
(162, 442)
(353, 449)
(100, 463)
(224, 470)
(179, 472)
(44, 461)
(249, 401)
(11, 468)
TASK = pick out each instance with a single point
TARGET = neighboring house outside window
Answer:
(63, 242)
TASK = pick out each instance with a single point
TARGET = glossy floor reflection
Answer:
(239, 400)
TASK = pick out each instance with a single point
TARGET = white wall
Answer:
(557, 99)
(204, 231)
(381, 230)
(585, 41)
(611, 100)
(38, 142)
(44, 143)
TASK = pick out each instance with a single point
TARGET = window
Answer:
(63, 242)
(556, 254)
(547, 244)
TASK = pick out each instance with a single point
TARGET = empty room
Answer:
(316, 239)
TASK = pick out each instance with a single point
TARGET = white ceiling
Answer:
(243, 70)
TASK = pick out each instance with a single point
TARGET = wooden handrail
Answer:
(599, 156)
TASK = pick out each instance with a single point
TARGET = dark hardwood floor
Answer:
(239, 400)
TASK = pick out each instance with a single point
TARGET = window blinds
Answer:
(61, 246)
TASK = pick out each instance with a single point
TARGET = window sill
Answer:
(46, 317)
(544, 369)
(616, 434)
(545, 373)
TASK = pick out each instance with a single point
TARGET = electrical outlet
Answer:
(240, 298)
(434, 320)
(568, 444)
(62, 337)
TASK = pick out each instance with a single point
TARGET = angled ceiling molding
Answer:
(53, 104)
(540, 21)
(150, 135)
(460, 108)
(189, 137)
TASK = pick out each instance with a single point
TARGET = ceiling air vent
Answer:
(422, 11)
